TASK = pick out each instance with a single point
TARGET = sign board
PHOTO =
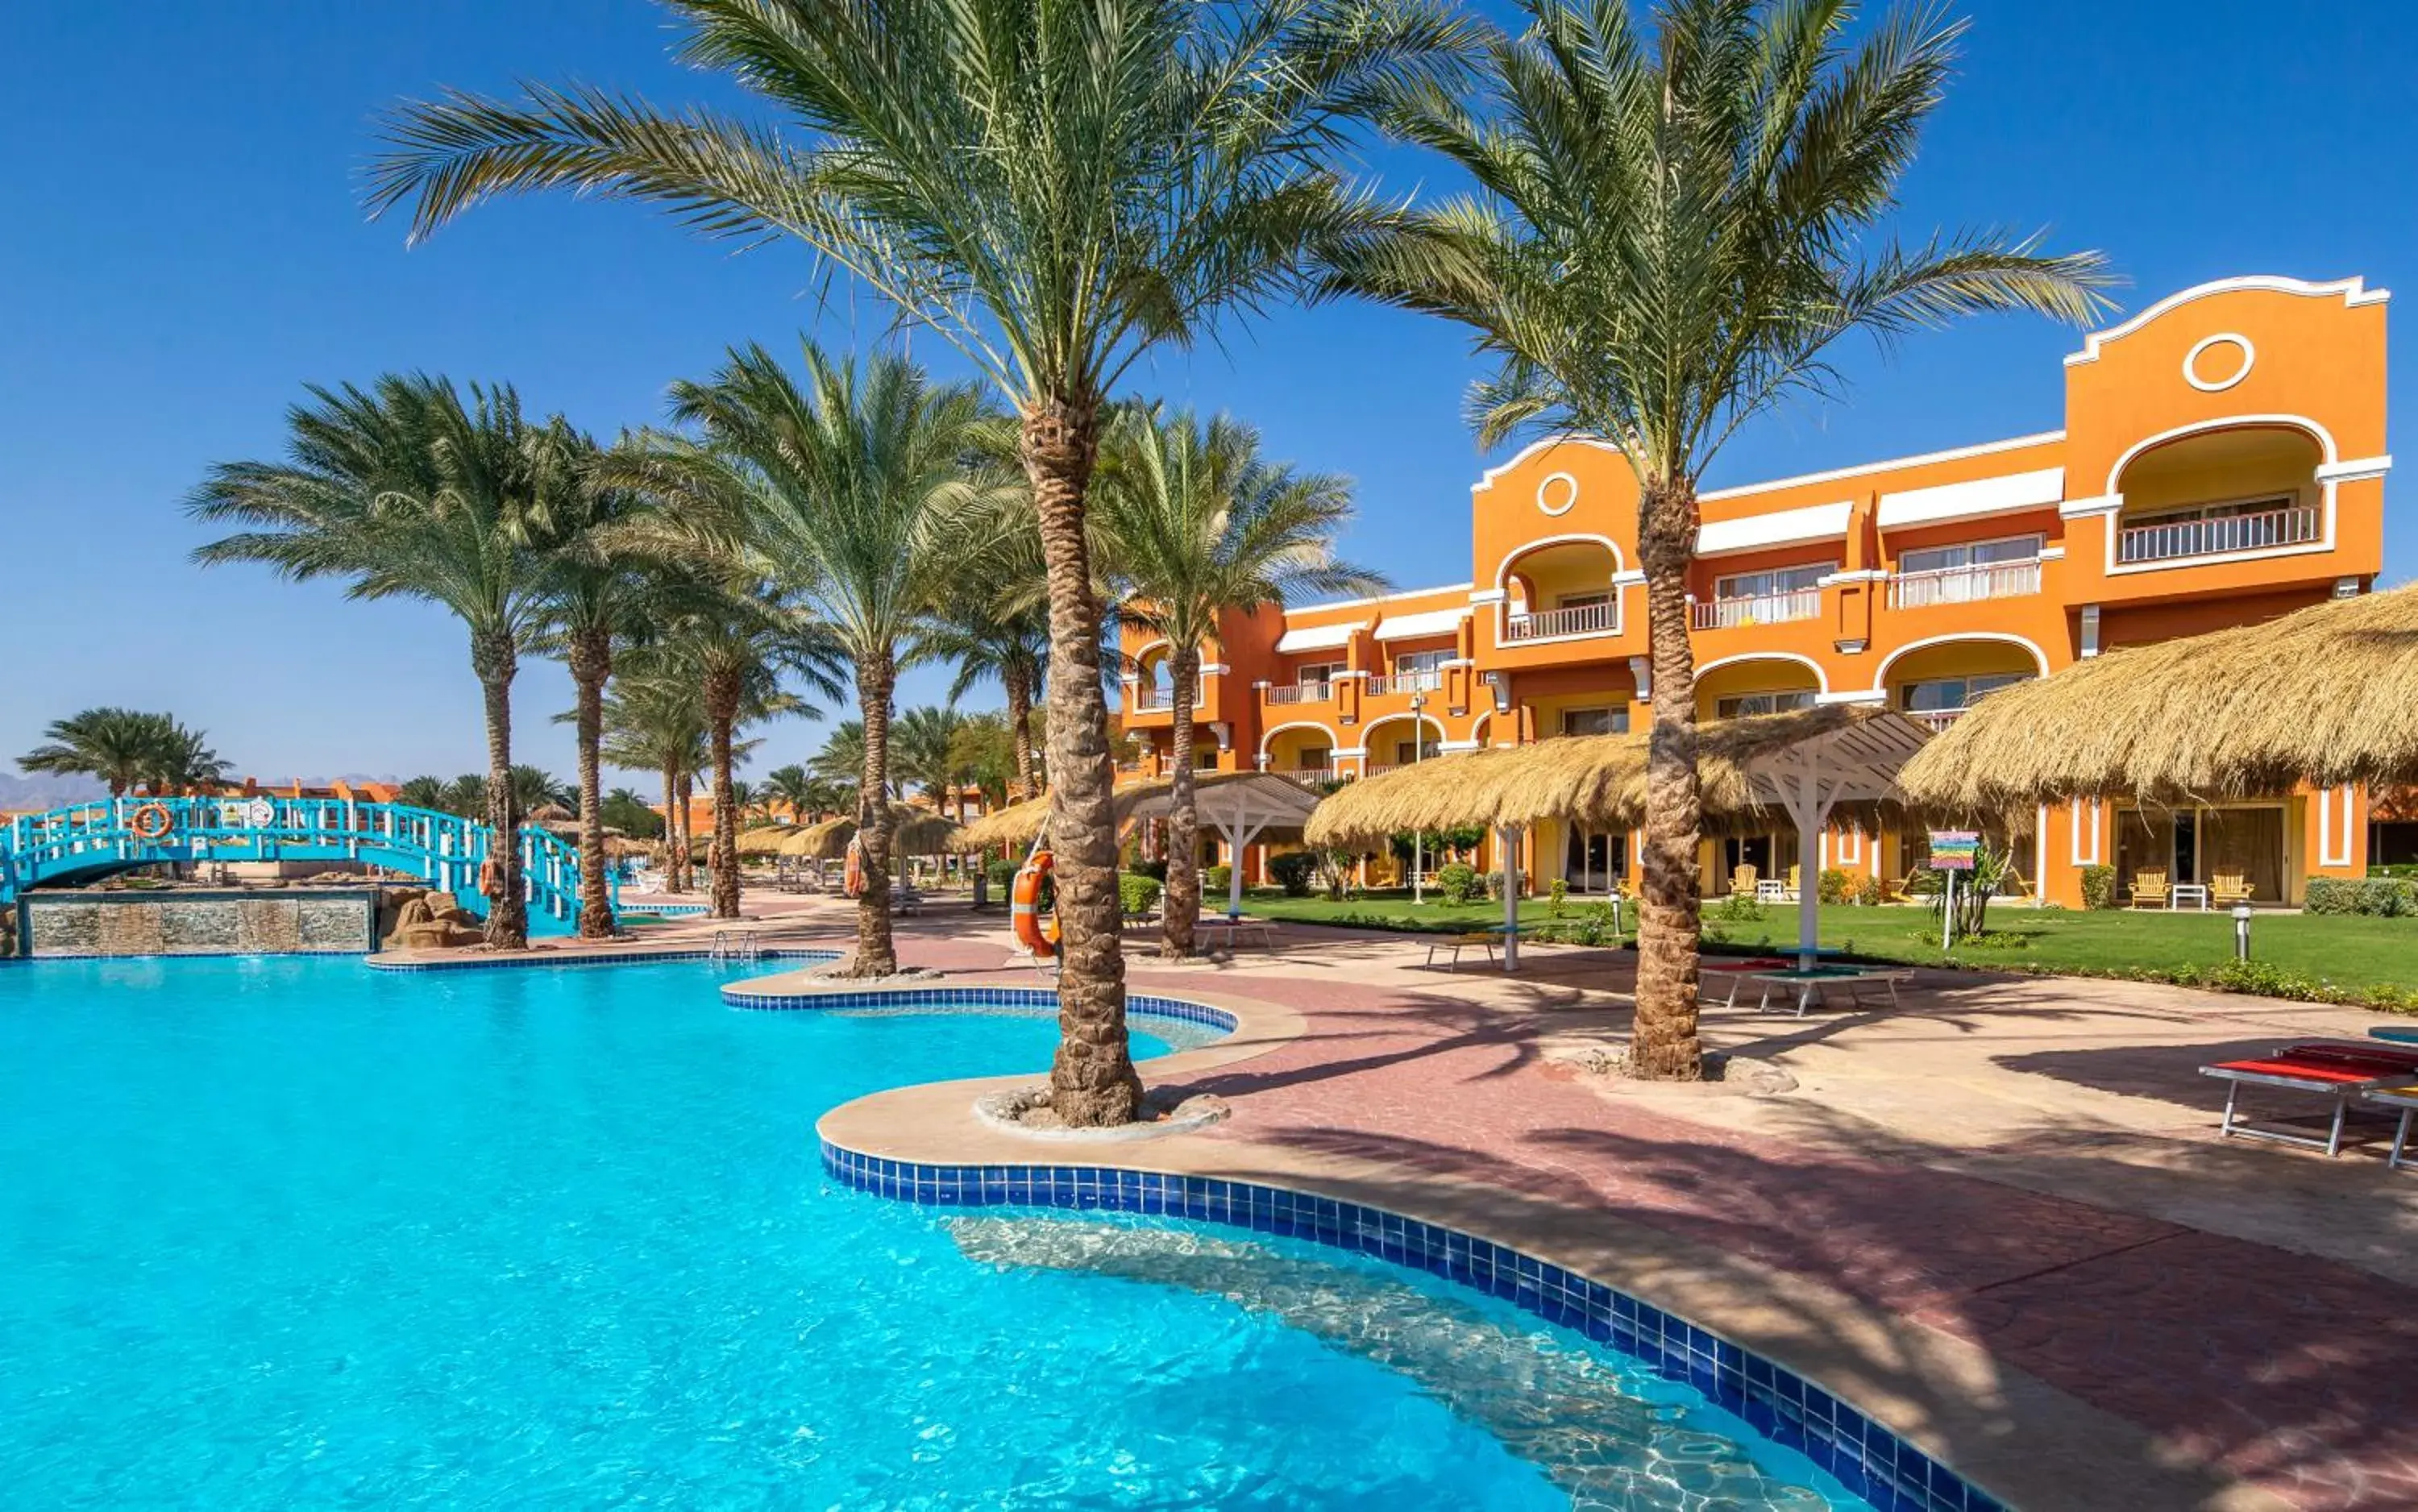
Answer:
(1953, 851)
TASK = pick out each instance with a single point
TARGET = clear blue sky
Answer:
(180, 250)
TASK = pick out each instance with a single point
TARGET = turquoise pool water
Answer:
(282, 1234)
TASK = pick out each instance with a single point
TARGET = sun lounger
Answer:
(1738, 971)
(1237, 928)
(1456, 943)
(2342, 1073)
(1816, 981)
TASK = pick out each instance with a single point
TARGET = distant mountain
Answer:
(47, 791)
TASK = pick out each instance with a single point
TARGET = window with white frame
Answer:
(1972, 554)
(1743, 704)
(1778, 583)
(1412, 663)
(1582, 601)
(1607, 721)
(1938, 696)
(1317, 673)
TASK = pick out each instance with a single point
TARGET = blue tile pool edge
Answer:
(1138, 1004)
(812, 957)
(1777, 1404)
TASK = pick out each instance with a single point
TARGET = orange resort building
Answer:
(2223, 461)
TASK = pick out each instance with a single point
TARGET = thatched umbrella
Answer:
(1014, 826)
(550, 814)
(1810, 764)
(764, 840)
(2323, 696)
(916, 833)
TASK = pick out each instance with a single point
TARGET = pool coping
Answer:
(1914, 1397)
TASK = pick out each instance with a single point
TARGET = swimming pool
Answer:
(296, 1232)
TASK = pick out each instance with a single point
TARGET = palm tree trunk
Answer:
(1019, 721)
(591, 663)
(673, 881)
(685, 852)
(722, 693)
(1670, 910)
(877, 954)
(1179, 907)
(1092, 1080)
(496, 658)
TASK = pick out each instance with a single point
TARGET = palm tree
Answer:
(409, 490)
(926, 743)
(736, 651)
(985, 752)
(466, 796)
(625, 811)
(1058, 189)
(996, 628)
(423, 792)
(121, 747)
(1670, 225)
(802, 793)
(534, 787)
(183, 762)
(1196, 524)
(840, 762)
(602, 592)
(840, 494)
(654, 721)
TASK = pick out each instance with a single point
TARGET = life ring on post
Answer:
(491, 879)
(1035, 916)
(152, 821)
(852, 873)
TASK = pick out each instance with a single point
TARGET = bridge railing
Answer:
(444, 849)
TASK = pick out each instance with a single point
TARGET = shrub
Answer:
(2099, 887)
(1556, 896)
(1293, 871)
(1218, 880)
(1595, 923)
(1494, 884)
(1456, 882)
(1137, 893)
(1738, 908)
(1001, 871)
(1154, 870)
(1867, 893)
(2377, 896)
(1835, 885)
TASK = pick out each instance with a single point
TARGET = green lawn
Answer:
(2351, 952)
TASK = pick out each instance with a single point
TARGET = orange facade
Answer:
(2223, 461)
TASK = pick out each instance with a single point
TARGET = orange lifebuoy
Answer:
(491, 879)
(852, 877)
(1037, 930)
(152, 821)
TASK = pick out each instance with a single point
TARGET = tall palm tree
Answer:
(1057, 188)
(801, 793)
(926, 743)
(840, 762)
(120, 747)
(625, 811)
(840, 494)
(409, 490)
(1671, 223)
(991, 629)
(602, 591)
(654, 721)
(534, 787)
(1196, 524)
(737, 650)
(183, 762)
(423, 792)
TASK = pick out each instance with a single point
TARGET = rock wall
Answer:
(331, 921)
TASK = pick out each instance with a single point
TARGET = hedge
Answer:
(2377, 896)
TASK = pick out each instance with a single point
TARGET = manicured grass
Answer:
(2351, 953)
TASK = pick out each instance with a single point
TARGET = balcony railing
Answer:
(1310, 776)
(1581, 619)
(1405, 682)
(1154, 701)
(1962, 585)
(2155, 543)
(1934, 720)
(1759, 609)
(1299, 692)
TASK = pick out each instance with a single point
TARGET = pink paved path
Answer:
(2296, 1373)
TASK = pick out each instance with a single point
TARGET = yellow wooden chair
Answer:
(1742, 881)
(2149, 890)
(2225, 889)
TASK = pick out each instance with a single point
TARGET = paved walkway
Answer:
(1996, 1217)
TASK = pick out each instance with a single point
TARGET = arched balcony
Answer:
(2240, 491)
(1561, 589)
(1737, 686)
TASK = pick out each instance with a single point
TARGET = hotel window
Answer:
(1317, 673)
(1942, 694)
(1314, 758)
(1595, 720)
(1776, 584)
(1406, 751)
(1976, 554)
(1412, 663)
(1581, 601)
(1763, 703)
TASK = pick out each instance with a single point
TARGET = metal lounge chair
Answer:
(2340, 1072)
(2404, 1101)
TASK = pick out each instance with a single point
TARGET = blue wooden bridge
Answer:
(85, 841)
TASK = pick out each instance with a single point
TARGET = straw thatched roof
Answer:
(917, 832)
(1018, 825)
(764, 840)
(2327, 694)
(1595, 780)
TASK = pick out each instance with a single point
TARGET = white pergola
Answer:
(1856, 763)
(1241, 808)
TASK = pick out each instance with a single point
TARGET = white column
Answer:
(1508, 837)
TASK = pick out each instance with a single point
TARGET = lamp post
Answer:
(2242, 931)
(1418, 838)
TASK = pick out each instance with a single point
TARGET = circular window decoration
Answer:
(2217, 362)
(1557, 492)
